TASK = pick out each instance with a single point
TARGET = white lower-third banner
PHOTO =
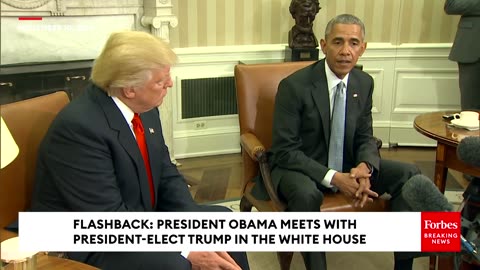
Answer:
(234, 231)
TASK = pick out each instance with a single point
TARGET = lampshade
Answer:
(11, 254)
(8, 147)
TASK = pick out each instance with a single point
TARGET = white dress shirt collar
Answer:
(125, 110)
(332, 81)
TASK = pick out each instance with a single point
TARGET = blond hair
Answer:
(128, 59)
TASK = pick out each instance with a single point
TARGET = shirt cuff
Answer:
(370, 167)
(185, 254)
(327, 180)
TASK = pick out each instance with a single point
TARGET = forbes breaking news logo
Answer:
(441, 232)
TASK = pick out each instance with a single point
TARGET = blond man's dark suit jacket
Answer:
(301, 124)
(89, 161)
(90, 152)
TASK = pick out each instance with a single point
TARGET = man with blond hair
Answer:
(96, 157)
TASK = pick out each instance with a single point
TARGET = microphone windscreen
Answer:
(422, 195)
(468, 150)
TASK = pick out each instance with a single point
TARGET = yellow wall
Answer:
(245, 22)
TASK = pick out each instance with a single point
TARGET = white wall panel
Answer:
(409, 79)
(377, 75)
(425, 90)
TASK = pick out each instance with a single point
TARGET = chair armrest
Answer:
(255, 149)
(251, 145)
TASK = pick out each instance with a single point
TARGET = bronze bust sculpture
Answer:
(301, 35)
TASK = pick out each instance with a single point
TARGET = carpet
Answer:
(335, 260)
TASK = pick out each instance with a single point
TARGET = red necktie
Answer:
(140, 135)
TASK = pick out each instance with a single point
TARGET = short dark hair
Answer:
(295, 3)
(344, 19)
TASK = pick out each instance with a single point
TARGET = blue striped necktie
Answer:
(337, 129)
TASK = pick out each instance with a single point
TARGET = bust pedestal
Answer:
(300, 54)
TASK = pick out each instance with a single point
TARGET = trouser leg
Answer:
(392, 176)
(302, 195)
(239, 257)
(469, 80)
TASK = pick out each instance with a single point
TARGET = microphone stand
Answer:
(470, 211)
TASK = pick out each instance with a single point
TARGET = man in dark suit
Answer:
(466, 51)
(91, 158)
(302, 134)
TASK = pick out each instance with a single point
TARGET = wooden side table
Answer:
(45, 262)
(433, 126)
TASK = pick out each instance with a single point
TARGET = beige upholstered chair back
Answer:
(28, 121)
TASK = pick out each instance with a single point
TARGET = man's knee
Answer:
(409, 170)
(412, 170)
(300, 192)
(397, 171)
(311, 199)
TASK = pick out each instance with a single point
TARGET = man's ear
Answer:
(323, 44)
(128, 92)
(364, 47)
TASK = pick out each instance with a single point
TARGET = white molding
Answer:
(206, 143)
(65, 23)
(206, 132)
(44, 8)
(159, 17)
(26, 4)
(383, 61)
(377, 75)
(375, 51)
(426, 74)
(230, 54)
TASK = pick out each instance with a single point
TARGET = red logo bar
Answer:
(441, 232)
(30, 18)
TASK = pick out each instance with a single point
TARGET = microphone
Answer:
(468, 150)
(423, 196)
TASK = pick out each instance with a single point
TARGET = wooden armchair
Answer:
(28, 121)
(256, 87)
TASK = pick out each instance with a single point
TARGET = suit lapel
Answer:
(352, 108)
(321, 97)
(125, 136)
